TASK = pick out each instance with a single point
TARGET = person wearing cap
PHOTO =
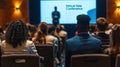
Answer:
(83, 43)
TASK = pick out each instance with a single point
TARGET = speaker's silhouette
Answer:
(55, 16)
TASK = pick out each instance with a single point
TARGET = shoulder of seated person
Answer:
(33, 38)
(62, 33)
(107, 51)
(3, 41)
(50, 36)
(28, 42)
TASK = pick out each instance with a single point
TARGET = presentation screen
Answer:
(68, 10)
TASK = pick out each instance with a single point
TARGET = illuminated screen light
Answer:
(68, 10)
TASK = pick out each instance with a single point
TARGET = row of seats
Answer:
(23, 60)
(47, 51)
(30, 60)
(93, 60)
(85, 60)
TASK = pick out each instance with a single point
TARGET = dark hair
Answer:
(83, 23)
(51, 29)
(59, 28)
(43, 27)
(1, 30)
(102, 24)
(32, 30)
(92, 28)
(16, 33)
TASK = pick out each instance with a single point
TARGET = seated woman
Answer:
(43, 37)
(114, 48)
(16, 40)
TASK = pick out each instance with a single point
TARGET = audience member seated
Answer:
(92, 30)
(42, 37)
(61, 34)
(114, 48)
(102, 26)
(31, 31)
(16, 40)
(110, 25)
(52, 39)
(83, 43)
(60, 30)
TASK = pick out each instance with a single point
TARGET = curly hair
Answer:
(16, 33)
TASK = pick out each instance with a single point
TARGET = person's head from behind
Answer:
(92, 29)
(39, 38)
(43, 27)
(83, 23)
(16, 33)
(59, 28)
(102, 24)
(51, 29)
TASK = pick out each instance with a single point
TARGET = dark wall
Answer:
(34, 14)
(101, 8)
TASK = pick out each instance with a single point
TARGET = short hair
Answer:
(102, 24)
(16, 33)
(83, 22)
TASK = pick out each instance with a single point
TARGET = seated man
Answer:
(83, 43)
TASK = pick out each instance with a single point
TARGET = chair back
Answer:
(117, 64)
(46, 51)
(22, 60)
(90, 60)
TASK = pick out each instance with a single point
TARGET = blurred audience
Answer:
(31, 31)
(114, 48)
(61, 34)
(21, 38)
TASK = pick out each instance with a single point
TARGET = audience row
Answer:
(21, 38)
